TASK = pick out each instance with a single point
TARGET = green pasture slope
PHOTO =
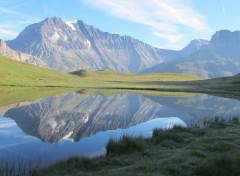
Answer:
(21, 82)
(18, 74)
(13, 73)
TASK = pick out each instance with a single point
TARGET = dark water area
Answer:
(75, 124)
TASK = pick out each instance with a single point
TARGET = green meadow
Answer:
(22, 82)
(15, 73)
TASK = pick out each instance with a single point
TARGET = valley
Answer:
(17, 74)
(145, 88)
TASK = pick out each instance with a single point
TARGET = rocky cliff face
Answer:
(221, 57)
(74, 45)
(192, 47)
(226, 44)
(69, 46)
(5, 51)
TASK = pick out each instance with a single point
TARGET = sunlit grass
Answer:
(15, 73)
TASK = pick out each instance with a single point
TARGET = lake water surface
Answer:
(58, 127)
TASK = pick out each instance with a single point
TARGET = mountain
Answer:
(74, 45)
(5, 51)
(226, 44)
(192, 47)
(221, 57)
(69, 46)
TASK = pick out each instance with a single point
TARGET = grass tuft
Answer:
(19, 168)
(223, 164)
(126, 145)
(160, 135)
(222, 146)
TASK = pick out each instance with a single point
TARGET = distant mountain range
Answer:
(220, 57)
(73, 45)
(5, 51)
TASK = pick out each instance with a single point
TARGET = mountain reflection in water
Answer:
(91, 120)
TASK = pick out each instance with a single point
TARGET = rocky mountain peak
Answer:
(198, 43)
(226, 35)
(226, 43)
(217, 58)
(54, 19)
(225, 38)
(194, 45)
(74, 45)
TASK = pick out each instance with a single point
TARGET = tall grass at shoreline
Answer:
(209, 149)
(19, 167)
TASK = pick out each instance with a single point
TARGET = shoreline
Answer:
(212, 148)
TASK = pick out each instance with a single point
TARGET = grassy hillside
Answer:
(224, 86)
(15, 73)
(112, 76)
(21, 74)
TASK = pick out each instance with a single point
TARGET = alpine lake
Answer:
(80, 123)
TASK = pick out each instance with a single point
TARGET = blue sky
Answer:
(162, 23)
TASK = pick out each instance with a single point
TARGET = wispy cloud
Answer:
(16, 14)
(165, 17)
(172, 38)
(223, 9)
(12, 21)
(8, 33)
(7, 30)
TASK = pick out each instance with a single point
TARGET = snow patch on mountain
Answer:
(87, 43)
(71, 24)
(55, 37)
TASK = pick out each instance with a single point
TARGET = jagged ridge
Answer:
(5, 51)
(70, 46)
(221, 57)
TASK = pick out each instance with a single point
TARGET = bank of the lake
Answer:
(210, 150)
